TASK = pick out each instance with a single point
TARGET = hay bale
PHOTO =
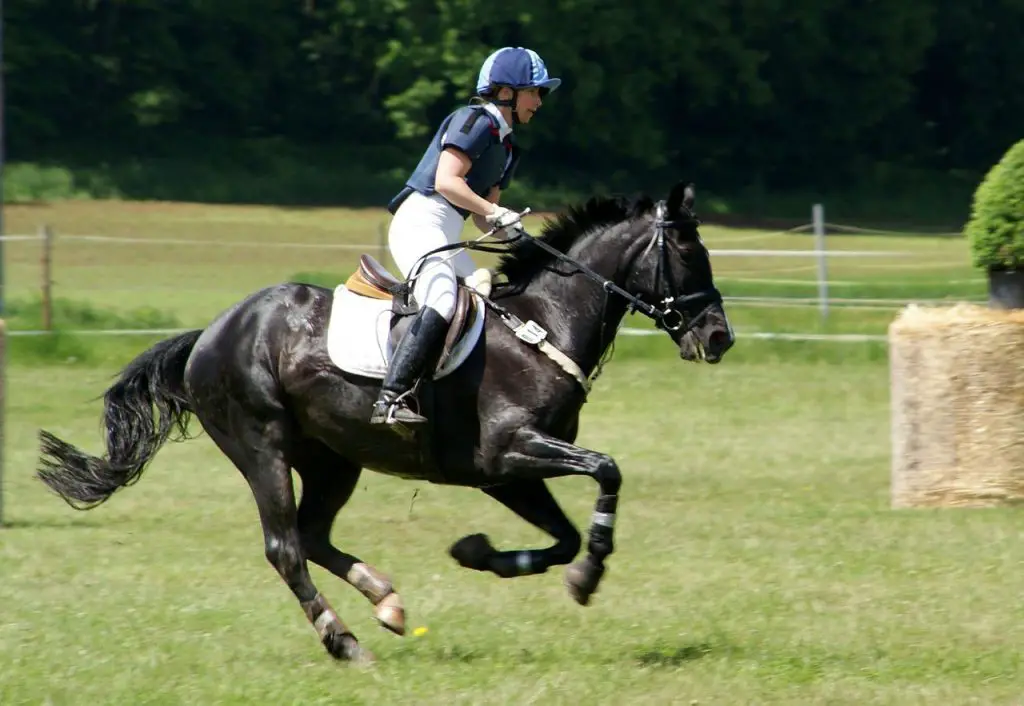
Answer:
(957, 396)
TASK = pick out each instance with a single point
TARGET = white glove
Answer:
(504, 219)
(480, 280)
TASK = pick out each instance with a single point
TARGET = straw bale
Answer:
(957, 400)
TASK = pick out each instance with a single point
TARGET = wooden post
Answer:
(3, 405)
(46, 235)
(382, 245)
(3, 287)
(818, 216)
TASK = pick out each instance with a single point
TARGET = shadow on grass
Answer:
(664, 656)
(668, 656)
(50, 523)
(448, 654)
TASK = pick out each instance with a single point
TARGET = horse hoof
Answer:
(361, 657)
(345, 647)
(581, 578)
(391, 614)
(472, 552)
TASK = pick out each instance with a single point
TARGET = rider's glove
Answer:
(505, 219)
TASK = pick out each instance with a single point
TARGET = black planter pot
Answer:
(1006, 289)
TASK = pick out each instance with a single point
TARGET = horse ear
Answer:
(683, 194)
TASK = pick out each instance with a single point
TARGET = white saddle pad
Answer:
(358, 332)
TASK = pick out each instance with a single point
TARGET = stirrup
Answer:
(395, 411)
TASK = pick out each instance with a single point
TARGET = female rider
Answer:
(467, 164)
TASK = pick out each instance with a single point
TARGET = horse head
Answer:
(673, 274)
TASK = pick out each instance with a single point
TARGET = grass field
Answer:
(757, 559)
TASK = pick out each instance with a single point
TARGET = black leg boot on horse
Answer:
(414, 357)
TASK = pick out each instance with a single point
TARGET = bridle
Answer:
(672, 315)
(669, 314)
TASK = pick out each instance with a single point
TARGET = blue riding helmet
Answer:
(517, 68)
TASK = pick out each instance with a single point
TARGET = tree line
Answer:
(784, 93)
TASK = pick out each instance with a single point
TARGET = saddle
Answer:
(371, 279)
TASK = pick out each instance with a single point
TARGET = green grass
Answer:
(757, 558)
(757, 562)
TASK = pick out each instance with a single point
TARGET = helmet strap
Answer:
(510, 103)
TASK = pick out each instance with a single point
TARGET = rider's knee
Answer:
(444, 307)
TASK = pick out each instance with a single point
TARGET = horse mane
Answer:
(523, 260)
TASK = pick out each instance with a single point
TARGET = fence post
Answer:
(382, 245)
(46, 235)
(3, 406)
(818, 216)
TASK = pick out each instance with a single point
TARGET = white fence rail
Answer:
(821, 255)
(624, 331)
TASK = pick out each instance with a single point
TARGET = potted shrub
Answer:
(995, 230)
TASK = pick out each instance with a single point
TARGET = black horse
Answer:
(261, 384)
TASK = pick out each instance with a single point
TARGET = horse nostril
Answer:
(719, 340)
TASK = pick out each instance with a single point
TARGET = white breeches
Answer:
(421, 224)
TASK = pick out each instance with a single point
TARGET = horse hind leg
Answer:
(327, 484)
(256, 450)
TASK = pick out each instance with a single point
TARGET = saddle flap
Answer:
(465, 310)
(363, 330)
(462, 320)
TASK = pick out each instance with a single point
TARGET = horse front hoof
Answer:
(582, 578)
(390, 613)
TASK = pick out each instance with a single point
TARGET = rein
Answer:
(670, 317)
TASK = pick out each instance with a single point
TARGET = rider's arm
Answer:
(493, 196)
(450, 182)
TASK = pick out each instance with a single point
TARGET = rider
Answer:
(467, 164)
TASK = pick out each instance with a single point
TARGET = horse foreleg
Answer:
(532, 501)
(533, 455)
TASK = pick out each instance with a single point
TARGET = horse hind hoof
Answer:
(473, 552)
(346, 648)
(390, 614)
(361, 657)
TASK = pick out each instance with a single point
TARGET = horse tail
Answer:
(141, 410)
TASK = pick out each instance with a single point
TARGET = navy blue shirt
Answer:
(474, 131)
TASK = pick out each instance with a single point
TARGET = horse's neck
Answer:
(580, 316)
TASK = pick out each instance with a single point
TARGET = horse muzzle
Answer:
(708, 340)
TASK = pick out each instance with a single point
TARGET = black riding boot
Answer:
(417, 351)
